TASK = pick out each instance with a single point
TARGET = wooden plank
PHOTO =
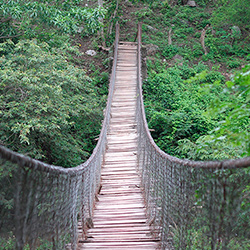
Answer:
(127, 52)
(131, 101)
(125, 68)
(122, 166)
(121, 131)
(118, 206)
(142, 244)
(133, 64)
(121, 229)
(111, 214)
(118, 176)
(117, 142)
(109, 234)
(107, 216)
(121, 158)
(113, 248)
(118, 184)
(122, 147)
(124, 108)
(134, 211)
(116, 190)
(126, 48)
(119, 189)
(121, 221)
(114, 183)
(115, 114)
(129, 234)
(121, 155)
(129, 136)
(126, 92)
(131, 180)
(120, 239)
(115, 171)
(125, 95)
(119, 172)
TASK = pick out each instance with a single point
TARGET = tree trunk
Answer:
(203, 34)
(169, 36)
(111, 23)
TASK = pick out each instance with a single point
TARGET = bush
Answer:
(47, 101)
(176, 107)
(170, 51)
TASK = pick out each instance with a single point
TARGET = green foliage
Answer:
(169, 51)
(8, 243)
(193, 118)
(230, 136)
(6, 197)
(45, 104)
(224, 43)
(32, 17)
(232, 12)
(233, 64)
(235, 127)
(175, 107)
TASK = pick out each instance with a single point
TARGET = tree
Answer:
(44, 101)
(32, 17)
(230, 136)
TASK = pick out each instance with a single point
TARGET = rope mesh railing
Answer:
(192, 205)
(48, 200)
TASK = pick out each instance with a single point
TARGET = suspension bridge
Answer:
(129, 194)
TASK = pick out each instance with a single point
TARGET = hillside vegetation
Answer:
(197, 101)
(52, 94)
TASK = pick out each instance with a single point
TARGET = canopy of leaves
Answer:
(45, 104)
(32, 17)
(231, 135)
(196, 119)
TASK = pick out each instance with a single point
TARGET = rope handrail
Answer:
(49, 199)
(237, 163)
(189, 199)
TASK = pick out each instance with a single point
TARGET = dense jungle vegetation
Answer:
(52, 94)
(198, 101)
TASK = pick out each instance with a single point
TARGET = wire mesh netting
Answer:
(192, 205)
(49, 201)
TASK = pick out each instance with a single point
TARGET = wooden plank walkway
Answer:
(119, 216)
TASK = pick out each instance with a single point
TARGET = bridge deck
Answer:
(119, 216)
